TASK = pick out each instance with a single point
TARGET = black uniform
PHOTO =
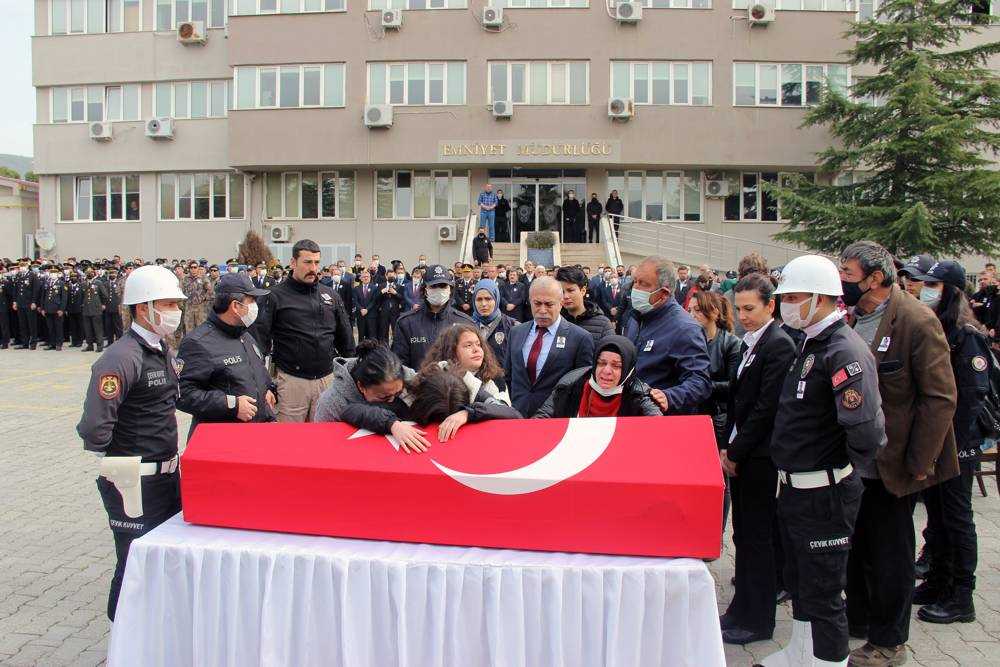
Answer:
(112, 316)
(497, 335)
(594, 211)
(393, 305)
(55, 299)
(516, 294)
(219, 363)
(74, 312)
(129, 412)
(307, 327)
(417, 330)
(95, 300)
(27, 291)
(464, 295)
(5, 332)
(829, 416)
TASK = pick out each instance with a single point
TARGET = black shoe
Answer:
(732, 581)
(923, 564)
(33, 346)
(857, 631)
(783, 596)
(20, 347)
(956, 608)
(728, 621)
(89, 348)
(741, 636)
(76, 345)
(4, 346)
(100, 348)
(58, 348)
(927, 593)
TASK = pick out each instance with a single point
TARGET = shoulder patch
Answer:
(979, 363)
(109, 386)
(852, 399)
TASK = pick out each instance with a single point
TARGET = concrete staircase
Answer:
(507, 254)
(584, 254)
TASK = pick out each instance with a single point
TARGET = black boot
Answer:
(957, 607)
(89, 348)
(922, 564)
(928, 592)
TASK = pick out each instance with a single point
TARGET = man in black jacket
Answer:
(482, 248)
(615, 208)
(577, 308)
(594, 210)
(417, 330)
(304, 326)
(223, 377)
(572, 229)
(55, 298)
(26, 294)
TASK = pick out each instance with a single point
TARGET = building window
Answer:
(207, 196)
(665, 196)
(419, 4)
(68, 17)
(541, 4)
(677, 4)
(416, 83)
(660, 83)
(406, 194)
(98, 198)
(290, 86)
(805, 5)
(171, 13)
(251, 7)
(747, 201)
(309, 195)
(86, 104)
(786, 84)
(540, 82)
(190, 99)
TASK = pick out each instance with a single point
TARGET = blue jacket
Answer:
(673, 356)
(575, 350)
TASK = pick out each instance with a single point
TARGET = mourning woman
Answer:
(609, 388)
(442, 397)
(767, 354)
(494, 324)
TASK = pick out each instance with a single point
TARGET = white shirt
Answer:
(814, 330)
(153, 339)
(750, 339)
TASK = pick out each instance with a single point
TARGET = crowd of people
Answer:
(857, 389)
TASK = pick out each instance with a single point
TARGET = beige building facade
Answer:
(268, 130)
(18, 216)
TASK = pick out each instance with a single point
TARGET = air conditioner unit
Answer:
(279, 233)
(628, 11)
(717, 189)
(760, 13)
(100, 131)
(378, 115)
(191, 32)
(621, 107)
(503, 109)
(492, 17)
(160, 128)
(447, 233)
(392, 18)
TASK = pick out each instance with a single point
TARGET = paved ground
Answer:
(56, 552)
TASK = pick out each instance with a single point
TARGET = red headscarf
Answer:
(593, 404)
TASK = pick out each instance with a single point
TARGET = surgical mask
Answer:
(640, 301)
(930, 297)
(852, 292)
(791, 313)
(251, 315)
(169, 320)
(438, 296)
(613, 391)
(400, 277)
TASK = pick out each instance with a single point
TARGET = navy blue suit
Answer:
(572, 348)
(411, 296)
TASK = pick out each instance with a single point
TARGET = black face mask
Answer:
(852, 292)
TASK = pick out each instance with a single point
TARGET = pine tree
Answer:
(254, 251)
(924, 155)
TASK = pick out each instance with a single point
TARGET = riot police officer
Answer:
(223, 377)
(54, 301)
(128, 417)
(827, 430)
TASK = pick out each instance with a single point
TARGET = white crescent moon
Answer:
(584, 442)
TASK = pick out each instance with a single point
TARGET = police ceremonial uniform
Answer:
(111, 316)
(5, 329)
(95, 300)
(828, 427)
(74, 311)
(465, 295)
(27, 290)
(129, 413)
(54, 301)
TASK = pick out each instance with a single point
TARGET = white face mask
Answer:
(640, 301)
(251, 315)
(930, 297)
(791, 313)
(438, 296)
(168, 320)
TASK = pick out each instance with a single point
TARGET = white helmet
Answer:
(812, 274)
(151, 283)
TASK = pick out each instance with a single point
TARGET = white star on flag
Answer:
(364, 433)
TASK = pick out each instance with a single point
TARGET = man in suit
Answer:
(543, 350)
(683, 285)
(367, 304)
(412, 295)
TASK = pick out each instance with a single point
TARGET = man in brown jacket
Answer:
(918, 398)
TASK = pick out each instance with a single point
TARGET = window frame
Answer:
(104, 19)
(568, 80)
(803, 81)
(548, 4)
(643, 174)
(208, 15)
(233, 99)
(674, 4)
(230, 175)
(670, 64)
(208, 98)
(464, 4)
(781, 176)
(108, 194)
(338, 174)
(434, 174)
(426, 64)
(86, 119)
(233, 9)
(852, 6)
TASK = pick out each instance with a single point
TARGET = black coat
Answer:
(724, 359)
(502, 222)
(571, 220)
(564, 401)
(614, 206)
(594, 210)
(753, 396)
(591, 320)
(482, 249)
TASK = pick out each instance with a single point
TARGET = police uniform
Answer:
(74, 311)
(129, 412)
(112, 319)
(465, 295)
(55, 299)
(27, 290)
(95, 300)
(417, 330)
(5, 332)
(829, 422)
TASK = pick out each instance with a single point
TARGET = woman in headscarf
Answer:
(609, 388)
(493, 324)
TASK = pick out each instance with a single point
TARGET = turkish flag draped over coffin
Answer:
(645, 486)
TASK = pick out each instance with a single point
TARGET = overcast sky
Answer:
(17, 111)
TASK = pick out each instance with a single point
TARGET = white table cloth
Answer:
(211, 596)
